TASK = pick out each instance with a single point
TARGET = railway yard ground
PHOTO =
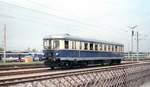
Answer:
(14, 67)
(12, 74)
(20, 63)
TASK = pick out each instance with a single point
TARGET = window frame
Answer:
(85, 46)
(91, 46)
(66, 46)
(96, 47)
(47, 44)
(56, 46)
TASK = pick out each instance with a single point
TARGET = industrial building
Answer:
(141, 55)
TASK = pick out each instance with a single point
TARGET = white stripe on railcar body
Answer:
(89, 58)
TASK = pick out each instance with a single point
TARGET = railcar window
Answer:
(112, 48)
(100, 47)
(96, 47)
(91, 46)
(49, 47)
(46, 44)
(104, 47)
(115, 48)
(56, 44)
(66, 44)
(80, 45)
(86, 46)
(121, 48)
(73, 45)
(109, 48)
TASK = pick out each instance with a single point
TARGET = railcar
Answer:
(70, 51)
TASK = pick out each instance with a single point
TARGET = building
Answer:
(141, 55)
(21, 54)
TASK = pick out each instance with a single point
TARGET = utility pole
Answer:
(132, 44)
(129, 50)
(137, 46)
(4, 43)
(132, 35)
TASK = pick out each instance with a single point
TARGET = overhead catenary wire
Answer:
(88, 28)
(74, 21)
(43, 6)
(50, 9)
(28, 19)
(27, 9)
(49, 14)
(85, 27)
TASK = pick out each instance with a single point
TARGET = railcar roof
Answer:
(69, 37)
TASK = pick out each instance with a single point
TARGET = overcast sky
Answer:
(28, 21)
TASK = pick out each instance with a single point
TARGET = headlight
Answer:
(57, 54)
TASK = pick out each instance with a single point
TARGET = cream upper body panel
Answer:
(75, 43)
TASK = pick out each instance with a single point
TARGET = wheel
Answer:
(109, 62)
(116, 62)
(52, 68)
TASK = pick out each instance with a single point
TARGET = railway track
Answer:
(23, 71)
(30, 69)
(28, 75)
(20, 66)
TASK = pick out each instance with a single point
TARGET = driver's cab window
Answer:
(47, 44)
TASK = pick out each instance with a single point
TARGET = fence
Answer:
(132, 75)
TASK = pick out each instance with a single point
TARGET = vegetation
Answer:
(1, 49)
(33, 50)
